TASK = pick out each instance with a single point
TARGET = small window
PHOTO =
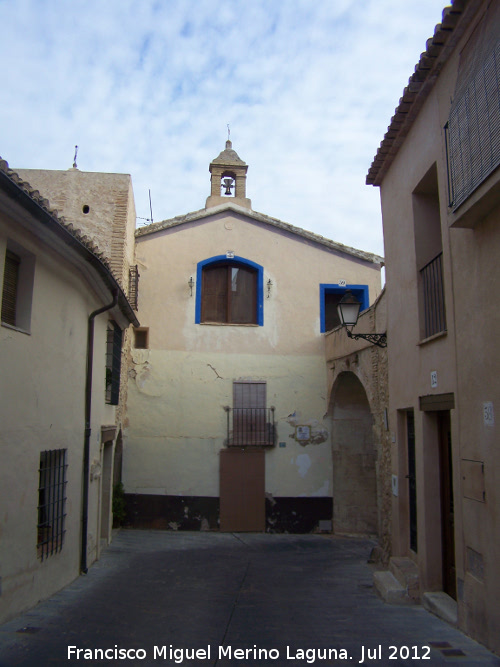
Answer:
(17, 287)
(113, 363)
(10, 287)
(229, 294)
(51, 502)
(141, 339)
(330, 296)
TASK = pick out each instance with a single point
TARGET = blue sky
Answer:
(147, 87)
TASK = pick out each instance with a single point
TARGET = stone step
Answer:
(389, 588)
(442, 605)
(406, 572)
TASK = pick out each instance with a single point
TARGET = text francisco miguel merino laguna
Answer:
(309, 655)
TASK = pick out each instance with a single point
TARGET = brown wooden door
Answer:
(242, 490)
(447, 508)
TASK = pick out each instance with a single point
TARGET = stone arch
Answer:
(354, 458)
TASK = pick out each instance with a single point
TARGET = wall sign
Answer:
(488, 414)
(434, 379)
(342, 283)
(303, 432)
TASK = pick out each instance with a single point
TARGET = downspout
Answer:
(88, 412)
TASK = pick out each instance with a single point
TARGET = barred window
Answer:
(51, 502)
(113, 363)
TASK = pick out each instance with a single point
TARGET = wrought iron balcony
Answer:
(250, 427)
(433, 297)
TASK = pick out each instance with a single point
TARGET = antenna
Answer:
(148, 220)
(74, 159)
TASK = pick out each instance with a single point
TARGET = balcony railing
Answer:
(250, 427)
(433, 297)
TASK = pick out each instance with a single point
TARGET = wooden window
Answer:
(229, 294)
(113, 363)
(10, 288)
(51, 502)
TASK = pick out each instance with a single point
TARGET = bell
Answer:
(228, 184)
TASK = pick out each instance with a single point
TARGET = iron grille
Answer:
(51, 502)
(473, 132)
(433, 297)
(251, 427)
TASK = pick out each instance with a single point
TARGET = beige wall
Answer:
(179, 387)
(466, 361)
(43, 382)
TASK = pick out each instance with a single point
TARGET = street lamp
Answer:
(348, 310)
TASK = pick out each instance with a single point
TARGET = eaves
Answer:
(261, 218)
(33, 211)
(455, 21)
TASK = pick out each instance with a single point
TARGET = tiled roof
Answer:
(228, 156)
(421, 82)
(258, 217)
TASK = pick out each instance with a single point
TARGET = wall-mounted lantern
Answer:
(348, 310)
(269, 285)
(191, 285)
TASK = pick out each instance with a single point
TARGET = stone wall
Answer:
(361, 442)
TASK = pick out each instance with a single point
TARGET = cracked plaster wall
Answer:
(179, 387)
(177, 420)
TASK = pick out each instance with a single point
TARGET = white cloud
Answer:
(148, 87)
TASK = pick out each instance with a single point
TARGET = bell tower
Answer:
(228, 179)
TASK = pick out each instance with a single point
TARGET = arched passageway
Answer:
(354, 458)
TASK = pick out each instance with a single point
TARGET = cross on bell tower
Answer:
(228, 179)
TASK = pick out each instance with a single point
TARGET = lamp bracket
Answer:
(374, 338)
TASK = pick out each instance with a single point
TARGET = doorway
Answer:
(447, 506)
(412, 479)
(242, 490)
(354, 459)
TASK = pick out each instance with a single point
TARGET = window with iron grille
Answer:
(473, 128)
(51, 502)
(133, 287)
(113, 363)
(252, 421)
(429, 255)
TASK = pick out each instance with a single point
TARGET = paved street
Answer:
(231, 599)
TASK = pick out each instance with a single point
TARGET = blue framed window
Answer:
(329, 297)
(229, 291)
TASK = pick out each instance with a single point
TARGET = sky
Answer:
(148, 88)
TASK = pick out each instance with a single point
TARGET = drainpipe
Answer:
(88, 412)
